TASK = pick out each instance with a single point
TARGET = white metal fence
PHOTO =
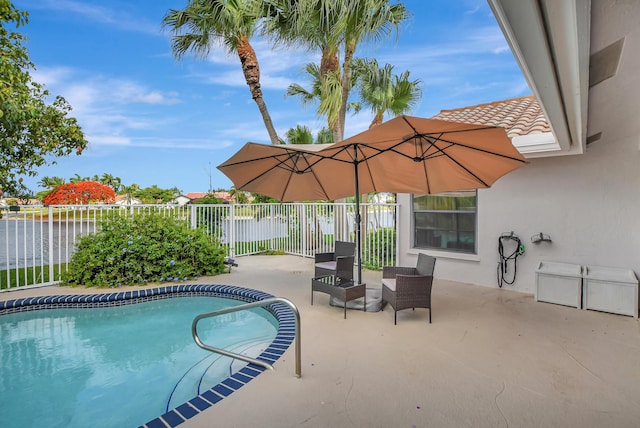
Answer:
(36, 243)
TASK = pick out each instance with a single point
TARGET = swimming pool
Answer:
(65, 330)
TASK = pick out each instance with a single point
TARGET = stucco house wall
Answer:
(588, 203)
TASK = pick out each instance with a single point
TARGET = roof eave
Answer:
(550, 41)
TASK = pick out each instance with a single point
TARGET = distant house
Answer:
(192, 197)
(181, 200)
(225, 197)
(122, 200)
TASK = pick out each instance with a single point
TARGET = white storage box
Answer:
(559, 283)
(612, 290)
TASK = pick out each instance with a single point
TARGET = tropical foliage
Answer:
(381, 248)
(382, 91)
(142, 249)
(208, 199)
(32, 132)
(331, 26)
(155, 194)
(83, 192)
(299, 135)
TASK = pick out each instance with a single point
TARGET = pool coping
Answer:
(284, 335)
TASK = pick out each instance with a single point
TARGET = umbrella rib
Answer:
(473, 127)
(289, 155)
(281, 163)
(466, 146)
(353, 161)
(442, 151)
(307, 169)
(310, 168)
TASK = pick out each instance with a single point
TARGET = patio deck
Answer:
(491, 358)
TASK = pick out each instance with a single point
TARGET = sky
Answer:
(153, 120)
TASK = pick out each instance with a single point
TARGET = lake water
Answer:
(26, 243)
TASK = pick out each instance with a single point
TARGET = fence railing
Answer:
(36, 243)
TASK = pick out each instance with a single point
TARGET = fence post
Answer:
(192, 211)
(397, 234)
(272, 225)
(232, 231)
(303, 229)
(50, 228)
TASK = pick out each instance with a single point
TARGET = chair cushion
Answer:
(390, 283)
(327, 265)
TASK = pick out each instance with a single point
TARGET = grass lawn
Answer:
(28, 276)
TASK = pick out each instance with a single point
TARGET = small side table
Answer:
(340, 288)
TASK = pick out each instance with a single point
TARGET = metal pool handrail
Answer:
(259, 303)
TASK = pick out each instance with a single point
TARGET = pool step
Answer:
(210, 371)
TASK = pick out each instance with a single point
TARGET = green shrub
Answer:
(381, 248)
(145, 248)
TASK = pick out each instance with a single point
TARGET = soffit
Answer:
(550, 41)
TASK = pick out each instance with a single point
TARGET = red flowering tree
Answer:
(80, 193)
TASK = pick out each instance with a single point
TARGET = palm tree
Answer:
(77, 178)
(301, 134)
(325, 136)
(312, 94)
(130, 191)
(109, 180)
(366, 20)
(382, 91)
(203, 23)
(51, 182)
(327, 25)
(238, 196)
(326, 93)
(315, 24)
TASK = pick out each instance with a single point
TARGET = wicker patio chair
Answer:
(407, 287)
(325, 263)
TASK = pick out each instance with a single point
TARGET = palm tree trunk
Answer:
(251, 70)
(329, 63)
(346, 87)
(377, 120)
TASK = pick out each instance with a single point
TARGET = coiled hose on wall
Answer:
(509, 240)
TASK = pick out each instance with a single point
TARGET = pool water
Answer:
(118, 366)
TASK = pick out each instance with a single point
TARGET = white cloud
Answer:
(128, 91)
(108, 108)
(52, 76)
(118, 18)
(183, 143)
(108, 140)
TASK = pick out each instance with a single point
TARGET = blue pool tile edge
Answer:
(284, 337)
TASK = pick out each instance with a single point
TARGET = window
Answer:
(446, 221)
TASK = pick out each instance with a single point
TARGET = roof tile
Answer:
(518, 116)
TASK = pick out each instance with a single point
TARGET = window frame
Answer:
(460, 251)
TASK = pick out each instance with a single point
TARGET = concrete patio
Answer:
(491, 358)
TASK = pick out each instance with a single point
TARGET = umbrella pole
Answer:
(358, 217)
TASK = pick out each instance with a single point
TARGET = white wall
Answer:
(589, 204)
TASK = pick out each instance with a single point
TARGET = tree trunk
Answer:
(346, 86)
(329, 63)
(251, 70)
(377, 120)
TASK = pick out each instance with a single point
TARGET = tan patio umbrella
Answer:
(403, 155)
